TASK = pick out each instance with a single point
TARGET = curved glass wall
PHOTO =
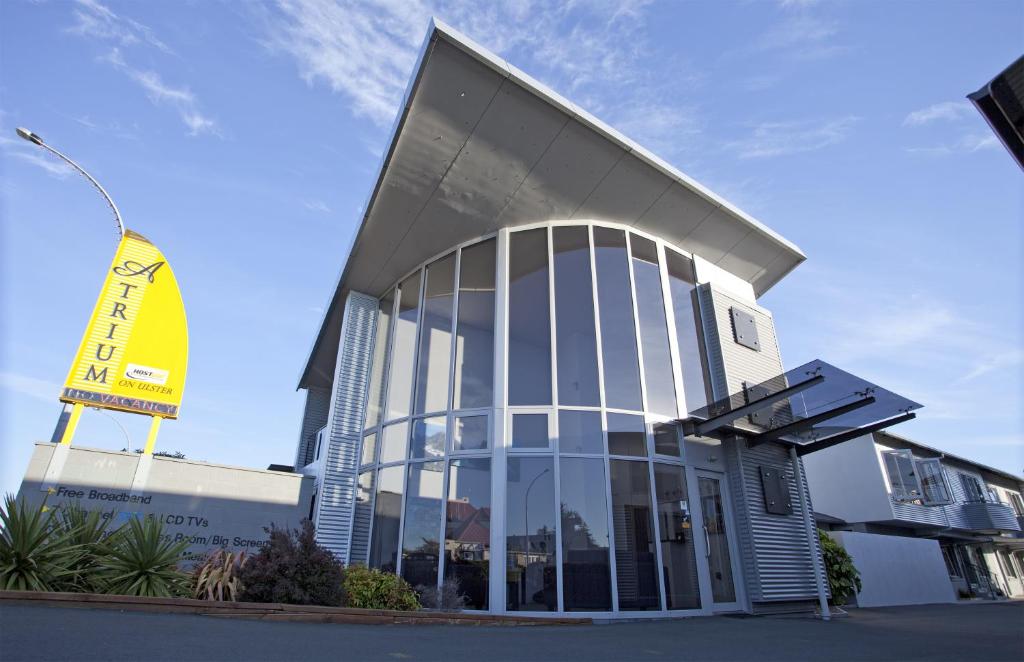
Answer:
(592, 499)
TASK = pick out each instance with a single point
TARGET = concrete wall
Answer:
(847, 482)
(896, 570)
(210, 505)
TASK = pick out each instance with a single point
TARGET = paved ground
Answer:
(993, 631)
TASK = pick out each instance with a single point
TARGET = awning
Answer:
(813, 407)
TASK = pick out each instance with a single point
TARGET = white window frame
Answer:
(900, 490)
(940, 474)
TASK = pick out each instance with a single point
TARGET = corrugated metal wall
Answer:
(777, 559)
(314, 417)
(336, 499)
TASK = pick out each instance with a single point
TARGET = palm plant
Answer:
(86, 531)
(141, 560)
(217, 578)
(35, 553)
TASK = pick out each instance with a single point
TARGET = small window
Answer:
(369, 455)
(1017, 503)
(972, 488)
(666, 439)
(1011, 569)
(626, 435)
(319, 442)
(428, 438)
(899, 465)
(530, 431)
(933, 483)
(470, 433)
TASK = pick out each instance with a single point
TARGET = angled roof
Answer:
(478, 145)
(959, 458)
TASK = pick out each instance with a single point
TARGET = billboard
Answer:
(134, 353)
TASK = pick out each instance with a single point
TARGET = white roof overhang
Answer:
(478, 145)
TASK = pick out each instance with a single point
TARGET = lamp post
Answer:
(526, 521)
(34, 138)
(124, 431)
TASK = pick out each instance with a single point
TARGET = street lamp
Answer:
(36, 140)
(127, 438)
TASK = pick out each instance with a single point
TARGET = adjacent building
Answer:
(922, 525)
(545, 374)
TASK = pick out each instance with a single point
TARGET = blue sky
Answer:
(242, 138)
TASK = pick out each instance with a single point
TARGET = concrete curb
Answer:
(274, 611)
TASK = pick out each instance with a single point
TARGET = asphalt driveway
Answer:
(991, 631)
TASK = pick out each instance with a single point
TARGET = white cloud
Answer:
(40, 389)
(770, 139)
(966, 144)
(93, 19)
(994, 363)
(97, 21)
(365, 51)
(947, 110)
(51, 165)
(317, 206)
(803, 37)
(159, 93)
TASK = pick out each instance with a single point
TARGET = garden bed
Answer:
(274, 611)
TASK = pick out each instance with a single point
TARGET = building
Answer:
(1001, 102)
(544, 372)
(921, 524)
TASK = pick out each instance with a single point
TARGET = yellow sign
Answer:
(134, 353)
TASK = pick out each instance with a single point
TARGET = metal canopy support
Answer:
(712, 424)
(810, 421)
(828, 442)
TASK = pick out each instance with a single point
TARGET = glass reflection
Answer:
(393, 442)
(403, 349)
(580, 432)
(428, 437)
(684, 305)
(666, 439)
(387, 513)
(574, 318)
(435, 350)
(678, 557)
(422, 526)
(635, 555)
(719, 562)
(530, 572)
(375, 399)
(626, 435)
(369, 452)
(586, 569)
(474, 342)
(530, 431)
(529, 323)
(618, 333)
(650, 306)
(470, 433)
(467, 538)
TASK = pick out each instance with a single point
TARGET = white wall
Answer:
(896, 570)
(846, 481)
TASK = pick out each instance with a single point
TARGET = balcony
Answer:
(983, 516)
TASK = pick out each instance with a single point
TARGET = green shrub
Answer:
(843, 576)
(292, 568)
(139, 559)
(85, 531)
(373, 589)
(217, 576)
(35, 554)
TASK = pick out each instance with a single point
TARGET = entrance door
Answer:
(714, 509)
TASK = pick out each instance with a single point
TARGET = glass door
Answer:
(716, 541)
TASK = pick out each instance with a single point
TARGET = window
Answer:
(529, 319)
(470, 433)
(618, 332)
(684, 306)
(530, 431)
(952, 561)
(422, 524)
(467, 537)
(530, 571)
(403, 349)
(1011, 569)
(899, 465)
(635, 553)
(666, 439)
(678, 557)
(435, 344)
(586, 568)
(375, 401)
(474, 341)
(428, 436)
(650, 306)
(972, 488)
(393, 443)
(369, 454)
(574, 318)
(933, 482)
(387, 514)
(626, 435)
(1017, 503)
(580, 432)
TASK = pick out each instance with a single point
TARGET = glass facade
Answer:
(572, 448)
